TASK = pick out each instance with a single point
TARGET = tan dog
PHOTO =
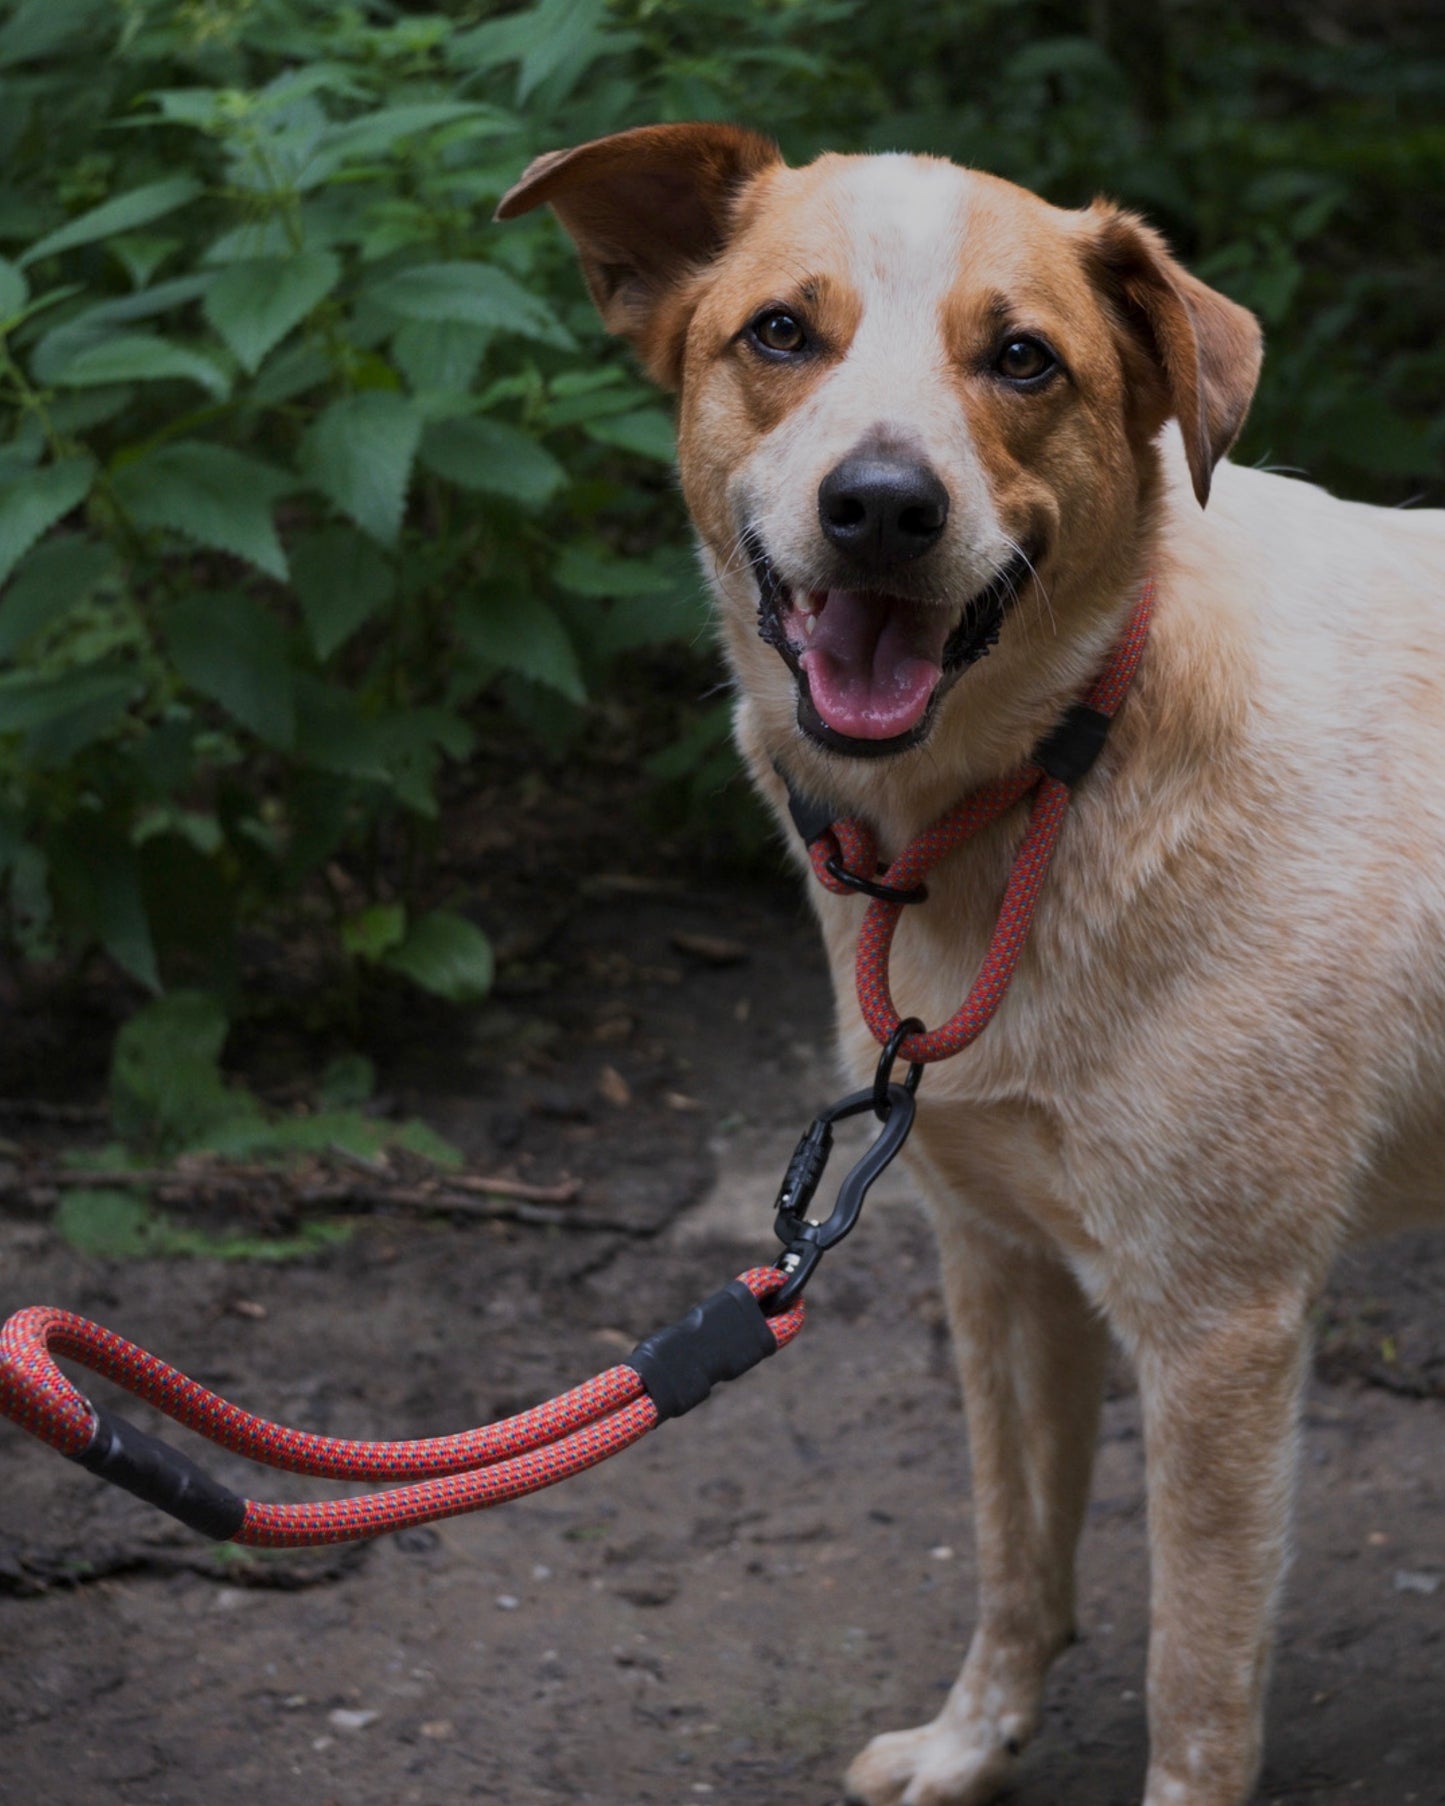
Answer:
(921, 407)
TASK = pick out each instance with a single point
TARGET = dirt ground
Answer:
(727, 1611)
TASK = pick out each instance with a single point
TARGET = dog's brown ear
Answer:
(1205, 348)
(645, 208)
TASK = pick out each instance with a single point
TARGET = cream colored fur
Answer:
(1223, 1054)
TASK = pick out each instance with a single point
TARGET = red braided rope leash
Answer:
(449, 1474)
(852, 843)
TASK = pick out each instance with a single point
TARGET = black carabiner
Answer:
(805, 1241)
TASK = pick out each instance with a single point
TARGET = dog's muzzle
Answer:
(870, 666)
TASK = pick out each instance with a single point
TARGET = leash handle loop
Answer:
(449, 1475)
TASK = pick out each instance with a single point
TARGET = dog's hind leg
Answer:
(1031, 1353)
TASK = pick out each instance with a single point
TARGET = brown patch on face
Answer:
(781, 257)
(722, 349)
(1060, 456)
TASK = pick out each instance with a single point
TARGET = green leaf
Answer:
(254, 304)
(348, 1081)
(233, 650)
(558, 38)
(439, 357)
(52, 578)
(33, 699)
(421, 1139)
(342, 580)
(97, 883)
(289, 372)
(373, 134)
(32, 919)
(54, 743)
(359, 453)
(210, 494)
(374, 931)
(96, 325)
(701, 740)
(589, 571)
(14, 291)
(141, 357)
(33, 503)
(491, 456)
(568, 35)
(447, 955)
(286, 1136)
(122, 214)
(648, 432)
(575, 407)
(110, 1225)
(522, 634)
(413, 741)
(166, 1087)
(333, 734)
(473, 294)
(141, 254)
(38, 28)
(199, 830)
(650, 619)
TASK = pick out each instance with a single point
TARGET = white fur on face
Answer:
(901, 224)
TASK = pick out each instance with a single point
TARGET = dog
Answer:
(925, 416)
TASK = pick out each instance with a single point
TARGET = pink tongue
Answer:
(873, 663)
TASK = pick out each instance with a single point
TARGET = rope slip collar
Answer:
(668, 1373)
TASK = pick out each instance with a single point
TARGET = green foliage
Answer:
(169, 1095)
(166, 1088)
(170, 1098)
(300, 458)
(120, 1225)
(290, 454)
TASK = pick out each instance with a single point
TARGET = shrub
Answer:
(303, 458)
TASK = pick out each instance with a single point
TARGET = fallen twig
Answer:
(318, 1186)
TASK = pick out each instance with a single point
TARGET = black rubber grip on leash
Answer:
(717, 1340)
(162, 1476)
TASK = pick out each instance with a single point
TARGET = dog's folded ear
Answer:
(645, 209)
(1202, 351)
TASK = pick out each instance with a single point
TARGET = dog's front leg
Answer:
(1031, 1353)
(1220, 1404)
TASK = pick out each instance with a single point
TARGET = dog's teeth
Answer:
(810, 624)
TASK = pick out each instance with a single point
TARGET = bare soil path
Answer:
(729, 1610)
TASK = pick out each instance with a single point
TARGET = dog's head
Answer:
(911, 396)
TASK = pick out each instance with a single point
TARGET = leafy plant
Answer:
(171, 1102)
(293, 438)
(300, 460)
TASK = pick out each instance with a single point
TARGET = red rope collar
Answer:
(847, 849)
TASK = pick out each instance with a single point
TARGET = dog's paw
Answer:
(940, 1764)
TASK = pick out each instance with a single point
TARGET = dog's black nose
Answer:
(882, 511)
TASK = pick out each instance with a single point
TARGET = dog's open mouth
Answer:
(870, 666)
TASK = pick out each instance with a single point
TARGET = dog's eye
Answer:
(1025, 361)
(778, 331)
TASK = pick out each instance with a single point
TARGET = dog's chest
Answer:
(994, 1129)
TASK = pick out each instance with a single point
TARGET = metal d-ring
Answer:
(870, 887)
(883, 1078)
